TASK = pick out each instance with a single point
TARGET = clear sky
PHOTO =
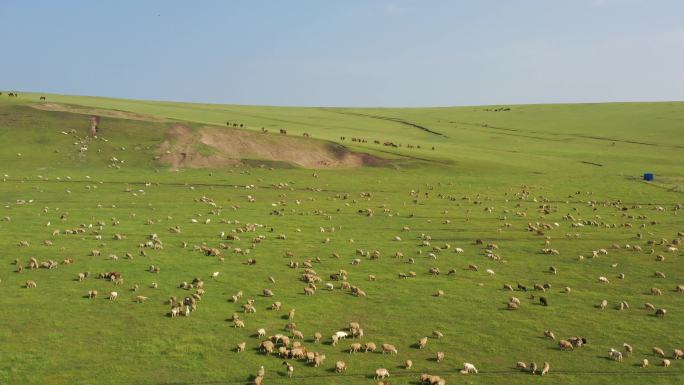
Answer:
(347, 52)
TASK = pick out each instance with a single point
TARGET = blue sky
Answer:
(347, 52)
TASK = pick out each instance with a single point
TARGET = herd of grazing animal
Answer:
(291, 346)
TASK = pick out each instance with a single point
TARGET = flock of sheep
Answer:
(289, 345)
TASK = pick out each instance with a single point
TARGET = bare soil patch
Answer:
(212, 147)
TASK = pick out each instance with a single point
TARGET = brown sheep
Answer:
(354, 348)
(565, 345)
(266, 347)
(30, 284)
(370, 347)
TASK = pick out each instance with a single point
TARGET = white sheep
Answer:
(341, 335)
(468, 368)
(615, 355)
(381, 373)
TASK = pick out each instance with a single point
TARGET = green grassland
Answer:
(582, 159)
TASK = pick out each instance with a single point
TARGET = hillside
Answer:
(168, 192)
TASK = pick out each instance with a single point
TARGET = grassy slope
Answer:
(123, 342)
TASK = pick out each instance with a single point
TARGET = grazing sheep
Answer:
(341, 335)
(261, 332)
(603, 280)
(533, 368)
(370, 347)
(297, 334)
(290, 369)
(549, 334)
(30, 284)
(543, 301)
(440, 356)
(238, 323)
(241, 347)
(381, 373)
(266, 347)
(437, 334)
(512, 306)
(267, 293)
(660, 312)
(644, 363)
(317, 337)
(422, 343)
(113, 295)
(439, 293)
(489, 271)
(507, 287)
(628, 348)
(318, 359)
(92, 294)
(615, 355)
(603, 304)
(521, 366)
(408, 364)
(340, 366)
(468, 368)
(565, 345)
(678, 354)
(387, 348)
(658, 351)
(545, 369)
(680, 289)
(666, 363)
(656, 291)
(354, 348)
(276, 306)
